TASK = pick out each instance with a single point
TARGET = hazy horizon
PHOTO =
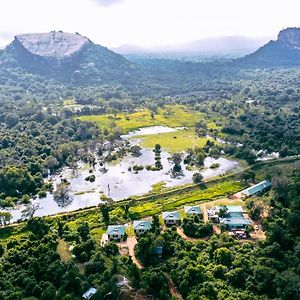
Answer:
(148, 23)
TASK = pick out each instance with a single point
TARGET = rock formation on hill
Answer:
(65, 56)
(284, 52)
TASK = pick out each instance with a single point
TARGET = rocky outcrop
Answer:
(67, 57)
(284, 52)
(290, 37)
(53, 44)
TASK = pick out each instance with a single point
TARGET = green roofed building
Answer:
(116, 233)
(257, 189)
(192, 210)
(141, 226)
(171, 217)
(235, 222)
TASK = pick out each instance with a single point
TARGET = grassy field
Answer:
(198, 195)
(63, 251)
(172, 116)
(173, 141)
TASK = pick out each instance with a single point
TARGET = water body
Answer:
(150, 130)
(118, 182)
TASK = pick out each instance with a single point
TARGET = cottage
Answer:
(116, 233)
(235, 218)
(235, 222)
(171, 217)
(256, 189)
(141, 226)
(89, 293)
(193, 210)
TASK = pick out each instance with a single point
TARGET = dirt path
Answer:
(131, 242)
(172, 288)
(129, 245)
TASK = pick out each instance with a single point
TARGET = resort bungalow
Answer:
(116, 233)
(234, 223)
(235, 218)
(256, 189)
(171, 217)
(142, 226)
(89, 293)
(193, 210)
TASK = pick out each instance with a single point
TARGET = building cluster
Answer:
(118, 232)
(233, 217)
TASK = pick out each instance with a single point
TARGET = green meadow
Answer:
(171, 116)
(173, 141)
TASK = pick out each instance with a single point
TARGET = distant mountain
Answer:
(236, 45)
(284, 52)
(65, 56)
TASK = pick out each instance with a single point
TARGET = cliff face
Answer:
(284, 52)
(53, 44)
(290, 37)
(66, 56)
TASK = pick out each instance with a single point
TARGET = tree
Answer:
(38, 226)
(11, 120)
(51, 163)
(223, 256)
(223, 211)
(84, 231)
(136, 151)
(105, 213)
(62, 195)
(249, 175)
(177, 159)
(197, 177)
(5, 218)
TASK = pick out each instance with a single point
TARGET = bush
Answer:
(90, 178)
(193, 226)
(197, 178)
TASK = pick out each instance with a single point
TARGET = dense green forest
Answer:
(219, 268)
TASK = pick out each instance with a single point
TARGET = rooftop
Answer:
(171, 215)
(142, 224)
(235, 221)
(232, 208)
(116, 229)
(252, 190)
(192, 210)
(89, 293)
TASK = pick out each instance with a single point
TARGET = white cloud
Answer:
(148, 22)
(108, 2)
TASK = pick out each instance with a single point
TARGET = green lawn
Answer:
(172, 116)
(173, 141)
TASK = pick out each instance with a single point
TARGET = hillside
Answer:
(65, 56)
(284, 52)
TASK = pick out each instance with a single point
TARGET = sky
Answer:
(147, 23)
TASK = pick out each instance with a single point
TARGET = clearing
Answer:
(172, 116)
(173, 141)
(63, 251)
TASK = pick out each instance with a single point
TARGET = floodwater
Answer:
(119, 182)
(150, 130)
